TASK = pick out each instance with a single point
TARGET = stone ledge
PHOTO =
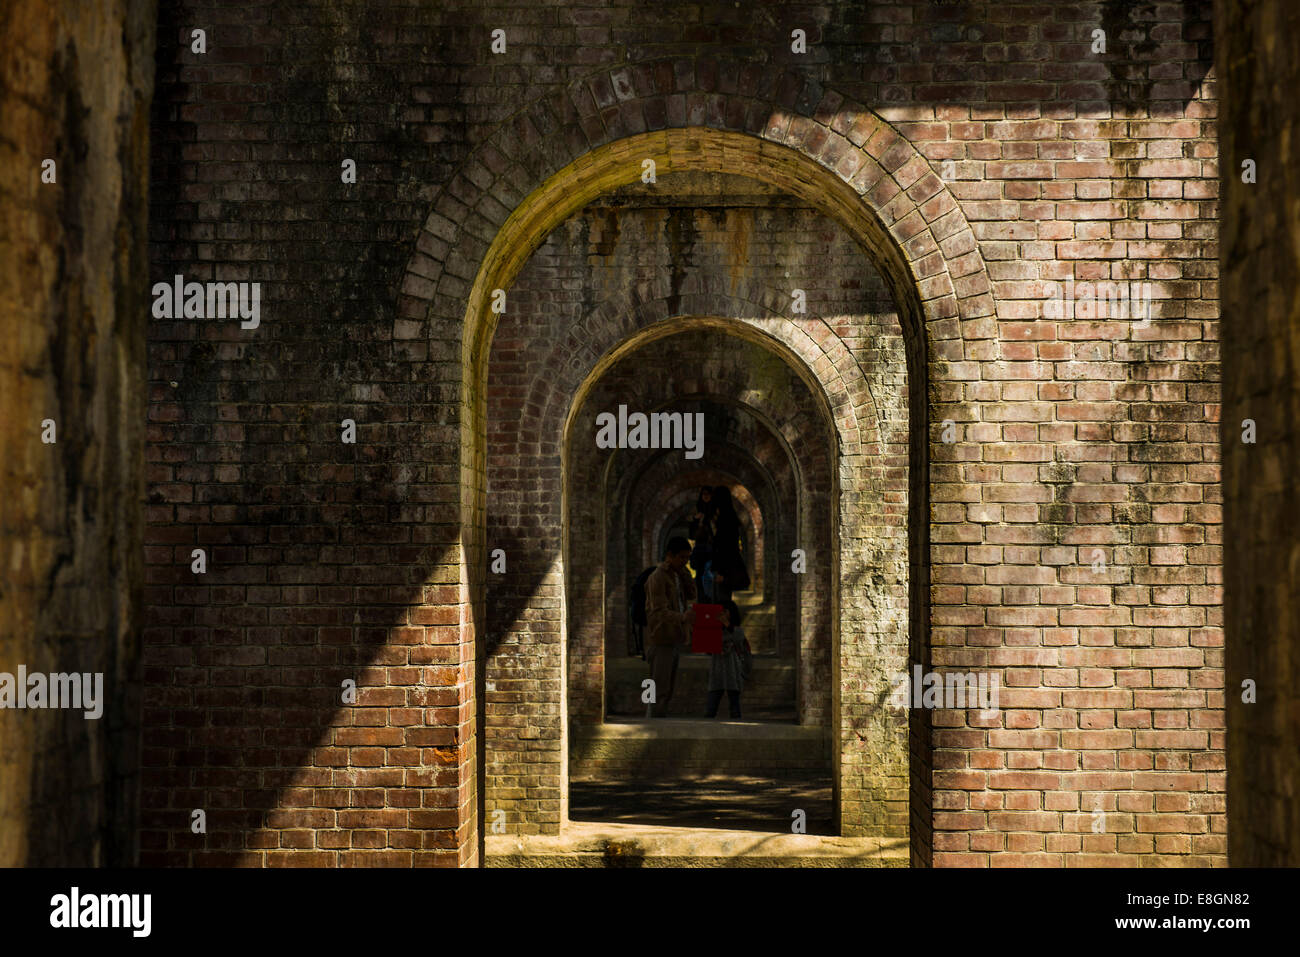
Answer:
(698, 729)
(636, 845)
(636, 747)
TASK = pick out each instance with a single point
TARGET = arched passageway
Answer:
(840, 160)
(758, 418)
(797, 404)
(752, 406)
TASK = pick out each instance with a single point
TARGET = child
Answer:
(726, 671)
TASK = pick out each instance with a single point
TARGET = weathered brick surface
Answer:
(75, 85)
(1074, 434)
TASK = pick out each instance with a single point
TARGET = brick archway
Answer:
(800, 438)
(561, 152)
(784, 447)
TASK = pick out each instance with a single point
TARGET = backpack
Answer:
(636, 601)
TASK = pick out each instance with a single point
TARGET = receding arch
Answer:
(922, 284)
(878, 642)
(796, 360)
(650, 487)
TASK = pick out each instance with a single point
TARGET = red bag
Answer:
(706, 633)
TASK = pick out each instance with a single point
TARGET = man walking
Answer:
(668, 619)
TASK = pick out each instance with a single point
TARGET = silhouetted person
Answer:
(726, 670)
(668, 592)
(702, 523)
(729, 571)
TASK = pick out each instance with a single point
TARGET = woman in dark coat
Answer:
(729, 571)
(701, 532)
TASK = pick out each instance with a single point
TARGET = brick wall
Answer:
(368, 561)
